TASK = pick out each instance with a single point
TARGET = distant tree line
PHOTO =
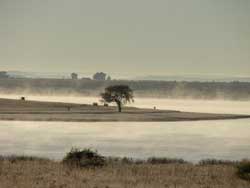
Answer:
(168, 89)
(4, 74)
(101, 76)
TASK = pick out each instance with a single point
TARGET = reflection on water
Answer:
(192, 141)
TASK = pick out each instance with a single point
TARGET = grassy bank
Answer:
(19, 110)
(26, 172)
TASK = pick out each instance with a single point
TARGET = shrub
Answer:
(163, 160)
(84, 158)
(130, 161)
(244, 170)
(217, 162)
(152, 160)
(123, 161)
(15, 158)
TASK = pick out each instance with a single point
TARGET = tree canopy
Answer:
(120, 94)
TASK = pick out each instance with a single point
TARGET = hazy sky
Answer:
(126, 37)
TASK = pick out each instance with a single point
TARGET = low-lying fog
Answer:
(229, 139)
(223, 139)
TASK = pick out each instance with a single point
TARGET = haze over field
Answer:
(160, 37)
(161, 88)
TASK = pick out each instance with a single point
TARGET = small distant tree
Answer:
(109, 78)
(74, 76)
(120, 94)
(4, 74)
(100, 76)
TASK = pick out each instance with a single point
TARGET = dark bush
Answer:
(163, 160)
(244, 170)
(217, 162)
(152, 160)
(123, 161)
(95, 104)
(126, 160)
(84, 158)
(14, 158)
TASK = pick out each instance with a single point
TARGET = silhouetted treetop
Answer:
(120, 94)
(99, 76)
(74, 76)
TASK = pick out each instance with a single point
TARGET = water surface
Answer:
(192, 141)
(222, 139)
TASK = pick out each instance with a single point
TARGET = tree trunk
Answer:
(119, 105)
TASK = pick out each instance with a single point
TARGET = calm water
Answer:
(224, 139)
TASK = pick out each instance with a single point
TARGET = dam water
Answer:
(193, 140)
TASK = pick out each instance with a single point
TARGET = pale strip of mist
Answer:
(192, 141)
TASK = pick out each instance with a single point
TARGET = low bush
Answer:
(124, 160)
(152, 160)
(84, 158)
(163, 160)
(14, 158)
(244, 170)
(217, 162)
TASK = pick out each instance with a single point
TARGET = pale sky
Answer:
(132, 37)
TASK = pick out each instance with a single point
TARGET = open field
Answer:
(50, 174)
(53, 111)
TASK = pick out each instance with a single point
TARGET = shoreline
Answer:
(106, 121)
(18, 110)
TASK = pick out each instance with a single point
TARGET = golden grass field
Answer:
(50, 174)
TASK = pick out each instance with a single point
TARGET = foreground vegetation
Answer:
(85, 168)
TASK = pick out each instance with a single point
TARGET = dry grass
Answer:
(18, 110)
(50, 174)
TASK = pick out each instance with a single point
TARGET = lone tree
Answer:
(120, 94)
(74, 76)
(100, 76)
